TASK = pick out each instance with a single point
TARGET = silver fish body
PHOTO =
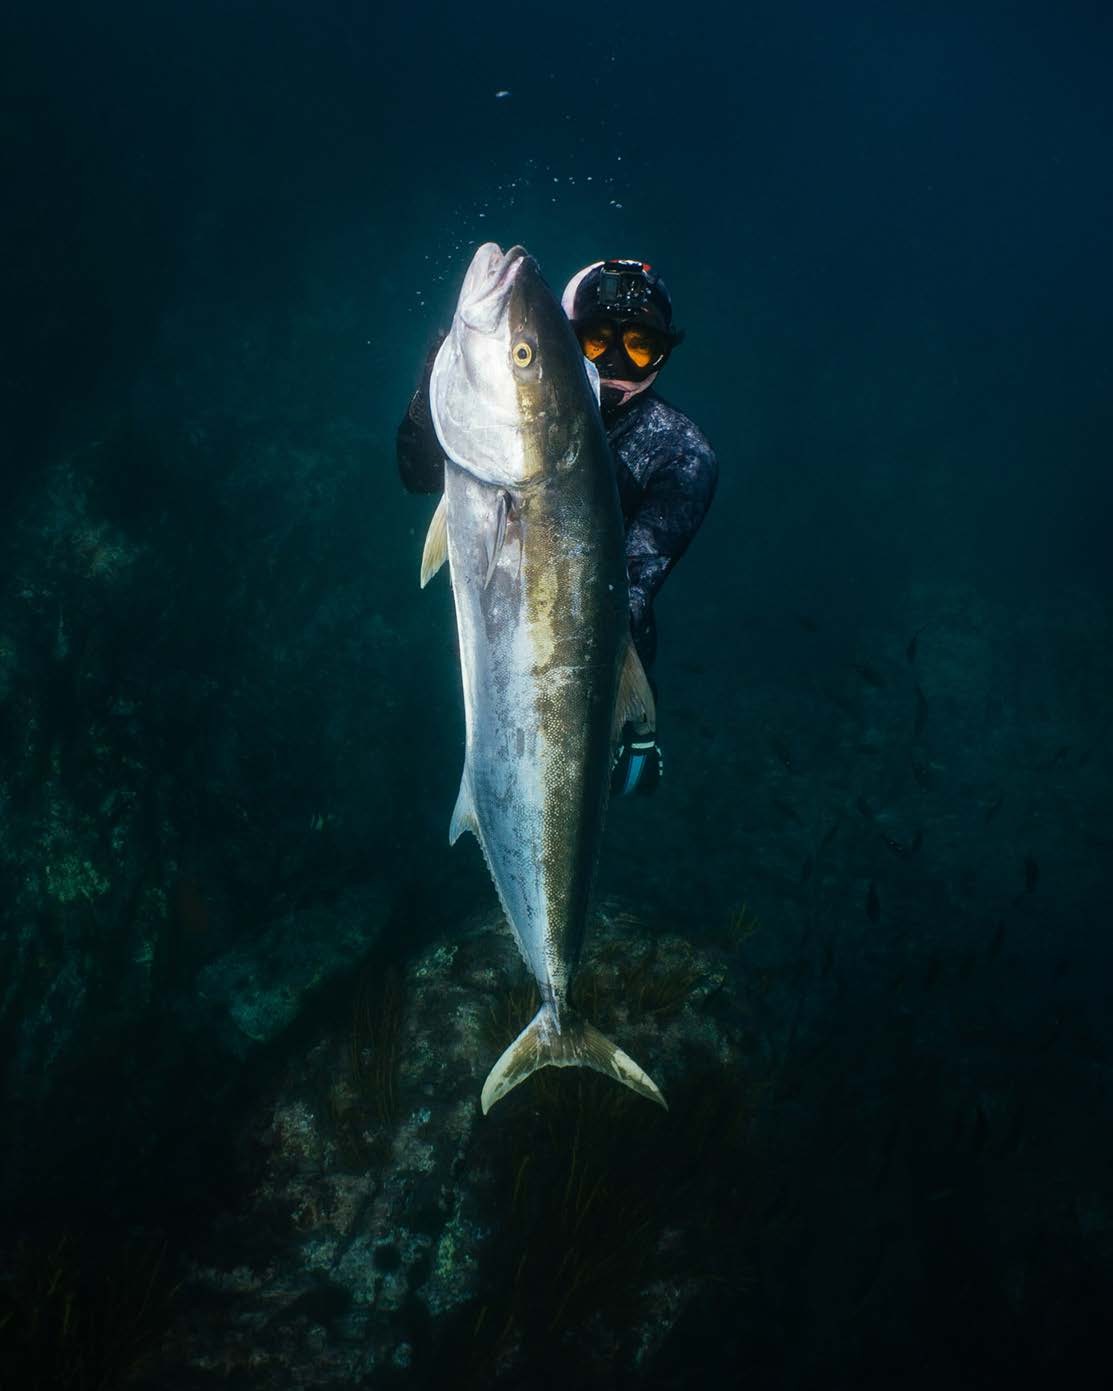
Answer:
(532, 530)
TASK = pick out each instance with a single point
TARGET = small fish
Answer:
(922, 773)
(910, 650)
(870, 675)
(998, 939)
(808, 623)
(919, 723)
(864, 808)
(993, 808)
(1031, 873)
(828, 959)
(806, 869)
(934, 971)
(502, 94)
(829, 835)
(873, 903)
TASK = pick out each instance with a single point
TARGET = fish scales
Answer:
(532, 530)
(540, 677)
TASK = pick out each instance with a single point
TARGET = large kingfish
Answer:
(531, 527)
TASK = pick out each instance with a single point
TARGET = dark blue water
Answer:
(230, 724)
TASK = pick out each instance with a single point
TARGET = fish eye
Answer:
(522, 353)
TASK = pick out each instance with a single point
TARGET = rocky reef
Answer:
(394, 1233)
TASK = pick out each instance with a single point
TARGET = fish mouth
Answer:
(487, 286)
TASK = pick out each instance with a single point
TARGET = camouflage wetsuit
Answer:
(666, 474)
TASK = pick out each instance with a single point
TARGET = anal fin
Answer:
(463, 815)
(436, 544)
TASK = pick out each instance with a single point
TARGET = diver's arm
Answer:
(669, 513)
(420, 457)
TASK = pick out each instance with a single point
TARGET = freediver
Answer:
(665, 468)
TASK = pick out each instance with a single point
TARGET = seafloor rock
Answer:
(392, 1229)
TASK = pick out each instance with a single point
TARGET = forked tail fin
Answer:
(576, 1044)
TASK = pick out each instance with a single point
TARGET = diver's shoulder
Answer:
(662, 415)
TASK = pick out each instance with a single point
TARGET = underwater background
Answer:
(861, 934)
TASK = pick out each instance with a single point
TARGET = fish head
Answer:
(510, 394)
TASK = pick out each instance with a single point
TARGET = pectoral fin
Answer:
(635, 698)
(498, 536)
(436, 544)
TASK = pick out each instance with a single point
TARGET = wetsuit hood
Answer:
(592, 293)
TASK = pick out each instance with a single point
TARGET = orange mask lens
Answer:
(595, 339)
(642, 346)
